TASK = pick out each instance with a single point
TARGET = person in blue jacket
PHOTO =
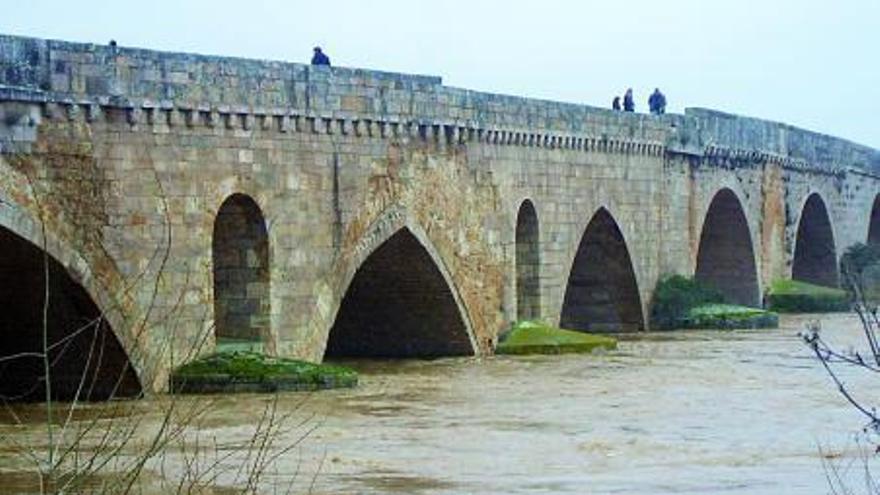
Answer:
(320, 58)
(629, 105)
(657, 102)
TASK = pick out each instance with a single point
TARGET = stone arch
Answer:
(874, 223)
(602, 293)
(241, 272)
(400, 300)
(725, 256)
(85, 352)
(528, 263)
(815, 254)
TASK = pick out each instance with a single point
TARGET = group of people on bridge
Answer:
(656, 102)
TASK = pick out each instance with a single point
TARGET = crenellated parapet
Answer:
(170, 114)
(152, 88)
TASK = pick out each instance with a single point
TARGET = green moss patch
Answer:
(529, 337)
(729, 316)
(248, 371)
(792, 296)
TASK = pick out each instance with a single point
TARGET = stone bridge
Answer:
(183, 199)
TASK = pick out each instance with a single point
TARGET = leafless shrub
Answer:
(855, 264)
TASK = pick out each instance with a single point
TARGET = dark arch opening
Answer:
(241, 272)
(602, 294)
(398, 305)
(83, 350)
(815, 257)
(528, 263)
(726, 259)
(874, 225)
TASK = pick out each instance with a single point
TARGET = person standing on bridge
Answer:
(657, 102)
(319, 58)
(615, 104)
(629, 105)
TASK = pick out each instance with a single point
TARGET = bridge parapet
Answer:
(65, 72)
(81, 80)
(700, 130)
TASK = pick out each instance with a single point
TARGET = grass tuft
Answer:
(729, 316)
(248, 371)
(793, 296)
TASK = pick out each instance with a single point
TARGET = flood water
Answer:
(682, 412)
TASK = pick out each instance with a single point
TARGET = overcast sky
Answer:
(811, 63)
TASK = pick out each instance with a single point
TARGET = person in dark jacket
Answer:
(615, 105)
(319, 58)
(657, 102)
(629, 105)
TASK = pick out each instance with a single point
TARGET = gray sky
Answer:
(810, 63)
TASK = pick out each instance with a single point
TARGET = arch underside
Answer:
(602, 294)
(726, 259)
(87, 360)
(815, 255)
(240, 249)
(399, 305)
(528, 263)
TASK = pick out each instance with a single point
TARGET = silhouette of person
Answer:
(319, 58)
(615, 105)
(657, 102)
(629, 105)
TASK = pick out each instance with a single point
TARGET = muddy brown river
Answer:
(680, 412)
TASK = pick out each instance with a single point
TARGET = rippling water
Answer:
(682, 412)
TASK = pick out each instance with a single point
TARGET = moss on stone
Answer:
(729, 316)
(793, 296)
(247, 371)
(527, 337)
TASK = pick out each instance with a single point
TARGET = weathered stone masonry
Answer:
(127, 155)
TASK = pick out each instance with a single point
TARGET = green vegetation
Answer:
(729, 316)
(681, 302)
(247, 371)
(675, 296)
(793, 296)
(860, 270)
(529, 337)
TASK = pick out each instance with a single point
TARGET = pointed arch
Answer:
(85, 352)
(874, 223)
(602, 293)
(815, 254)
(528, 263)
(399, 303)
(726, 257)
(240, 254)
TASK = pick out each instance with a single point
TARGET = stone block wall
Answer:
(130, 154)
